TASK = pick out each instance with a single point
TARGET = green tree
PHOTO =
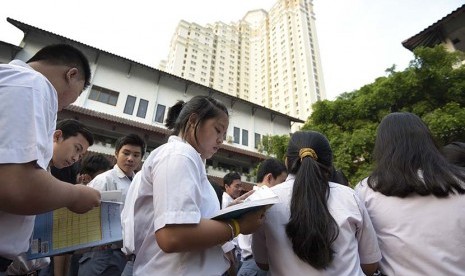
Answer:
(275, 145)
(432, 86)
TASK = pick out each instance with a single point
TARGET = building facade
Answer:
(269, 58)
(128, 97)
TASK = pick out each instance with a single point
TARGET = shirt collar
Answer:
(174, 138)
(120, 173)
(21, 63)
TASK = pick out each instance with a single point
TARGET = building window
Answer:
(245, 137)
(258, 140)
(130, 103)
(142, 110)
(160, 114)
(103, 95)
(237, 134)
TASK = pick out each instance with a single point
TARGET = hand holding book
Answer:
(256, 200)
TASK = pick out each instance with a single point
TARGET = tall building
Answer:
(269, 58)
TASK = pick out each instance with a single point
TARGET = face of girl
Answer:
(210, 135)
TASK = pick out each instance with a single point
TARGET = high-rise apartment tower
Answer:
(269, 58)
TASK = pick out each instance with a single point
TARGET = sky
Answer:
(358, 39)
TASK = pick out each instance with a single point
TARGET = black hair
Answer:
(270, 165)
(205, 107)
(311, 228)
(455, 153)
(66, 174)
(408, 161)
(338, 176)
(71, 127)
(130, 139)
(230, 177)
(219, 190)
(64, 54)
(93, 163)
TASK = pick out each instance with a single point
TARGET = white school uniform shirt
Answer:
(111, 180)
(245, 241)
(28, 110)
(174, 189)
(226, 200)
(127, 216)
(355, 244)
(417, 235)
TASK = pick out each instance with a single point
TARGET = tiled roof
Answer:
(430, 35)
(116, 119)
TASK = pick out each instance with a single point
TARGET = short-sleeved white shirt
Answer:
(111, 180)
(127, 216)
(28, 110)
(174, 189)
(227, 199)
(245, 241)
(417, 235)
(355, 244)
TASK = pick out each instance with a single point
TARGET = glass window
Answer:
(237, 134)
(103, 95)
(160, 113)
(245, 137)
(130, 103)
(142, 110)
(258, 140)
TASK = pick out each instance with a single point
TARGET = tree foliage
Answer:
(432, 86)
(275, 145)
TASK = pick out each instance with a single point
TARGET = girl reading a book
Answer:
(317, 227)
(173, 232)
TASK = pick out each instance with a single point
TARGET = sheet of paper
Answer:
(62, 231)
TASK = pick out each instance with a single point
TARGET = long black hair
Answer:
(408, 161)
(311, 228)
(205, 107)
(455, 153)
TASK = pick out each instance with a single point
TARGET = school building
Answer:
(126, 96)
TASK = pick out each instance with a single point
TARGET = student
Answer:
(271, 172)
(232, 188)
(71, 140)
(91, 166)
(415, 199)
(173, 232)
(51, 80)
(110, 260)
(317, 227)
(63, 168)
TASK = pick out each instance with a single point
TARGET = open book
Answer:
(261, 197)
(62, 231)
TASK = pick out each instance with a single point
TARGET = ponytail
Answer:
(311, 228)
(173, 114)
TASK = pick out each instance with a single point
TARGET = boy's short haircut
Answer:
(65, 54)
(93, 163)
(271, 165)
(130, 139)
(71, 127)
(230, 177)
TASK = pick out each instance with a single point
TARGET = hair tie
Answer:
(304, 152)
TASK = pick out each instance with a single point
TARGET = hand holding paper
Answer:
(261, 197)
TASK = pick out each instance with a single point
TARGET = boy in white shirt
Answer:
(70, 141)
(270, 173)
(51, 80)
(129, 150)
